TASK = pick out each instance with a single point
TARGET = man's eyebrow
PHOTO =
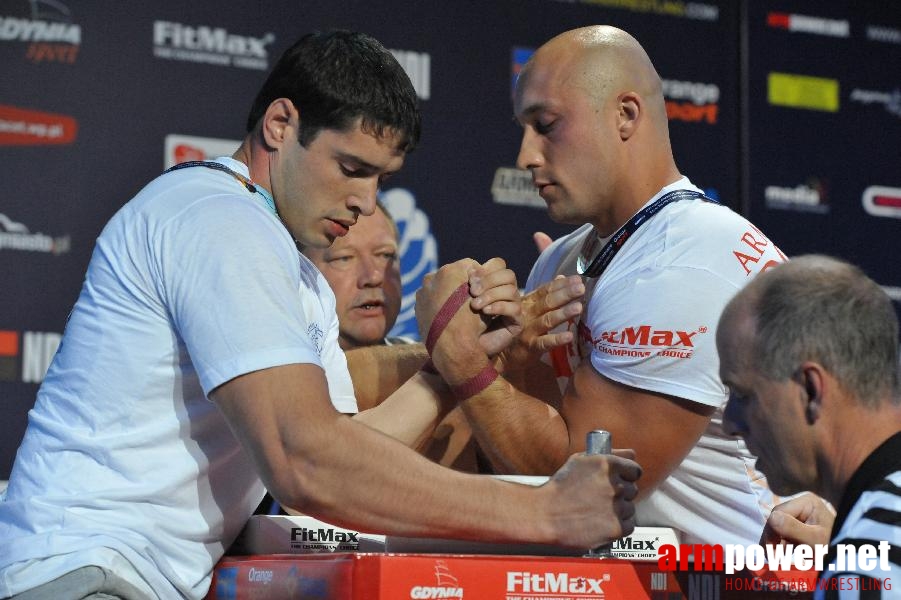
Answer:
(530, 111)
(357, 161)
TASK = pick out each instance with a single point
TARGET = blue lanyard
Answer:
(592, 262)
(252, 187)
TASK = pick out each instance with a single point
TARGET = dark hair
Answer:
(336, 77)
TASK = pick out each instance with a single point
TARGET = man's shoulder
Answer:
(716, 240)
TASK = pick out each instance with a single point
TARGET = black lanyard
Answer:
(209, 164)
(593, 267)
(247, 183)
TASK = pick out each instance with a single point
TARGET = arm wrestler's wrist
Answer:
(457, 361)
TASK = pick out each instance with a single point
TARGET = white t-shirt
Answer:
(651, 324)
(192, 283)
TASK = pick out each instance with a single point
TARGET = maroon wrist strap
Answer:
(445, 314)
(429, 367)
(476, 384)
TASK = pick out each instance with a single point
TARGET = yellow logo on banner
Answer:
(802, 91)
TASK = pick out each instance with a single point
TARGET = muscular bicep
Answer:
(277, 425)
(661, 429)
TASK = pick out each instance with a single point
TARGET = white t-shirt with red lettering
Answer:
(651, 324)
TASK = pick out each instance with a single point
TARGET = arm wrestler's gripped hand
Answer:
(436, 289)
(595, 498)
(496, 296)
(543, 310)
(470, 337)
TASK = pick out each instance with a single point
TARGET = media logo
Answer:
(183, 148)
(882, 201)
(803, 91)
(514, 187)
(806, 24)
(210, 45)
(446, 585)
(15, 236)
(885, 35)
(36, 350)
(691, 101)
(49, 32)
(418, 254)
(25, 127)
(418, 66)
(806, 197)
(891, 101)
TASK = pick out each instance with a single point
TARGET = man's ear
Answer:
(631, 107)
(279, 120)
(811, 379)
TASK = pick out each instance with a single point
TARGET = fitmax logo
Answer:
(553, 583)
(302, 534)
(643, 335)
(638, 545)
(209, 39)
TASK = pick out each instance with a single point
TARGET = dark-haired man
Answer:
(200, 364)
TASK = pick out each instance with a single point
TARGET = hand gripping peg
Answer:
(598, 442)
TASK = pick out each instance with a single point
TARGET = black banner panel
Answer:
(824, 130)
(97, 98)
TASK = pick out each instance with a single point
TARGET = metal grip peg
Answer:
(599, 441)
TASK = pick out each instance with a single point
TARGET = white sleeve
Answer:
(656, 330)
(232, 284)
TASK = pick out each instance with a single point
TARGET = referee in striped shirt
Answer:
(809, 350)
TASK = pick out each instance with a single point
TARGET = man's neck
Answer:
(634, 198)
(856, 435)
(255, 157)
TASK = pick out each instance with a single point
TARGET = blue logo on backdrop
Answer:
(519, 57)
(226, 583)
(418, 254)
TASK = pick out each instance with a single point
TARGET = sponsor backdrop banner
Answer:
(824, 130)
(99, 97)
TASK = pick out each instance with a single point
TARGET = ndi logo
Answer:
(418, 254)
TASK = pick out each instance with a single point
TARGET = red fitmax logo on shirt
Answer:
(643, 341)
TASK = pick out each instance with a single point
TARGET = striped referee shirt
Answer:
(869, 513)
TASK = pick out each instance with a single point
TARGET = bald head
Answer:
(603, 61)
(595, 131)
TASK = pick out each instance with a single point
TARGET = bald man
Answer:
(658, 261)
